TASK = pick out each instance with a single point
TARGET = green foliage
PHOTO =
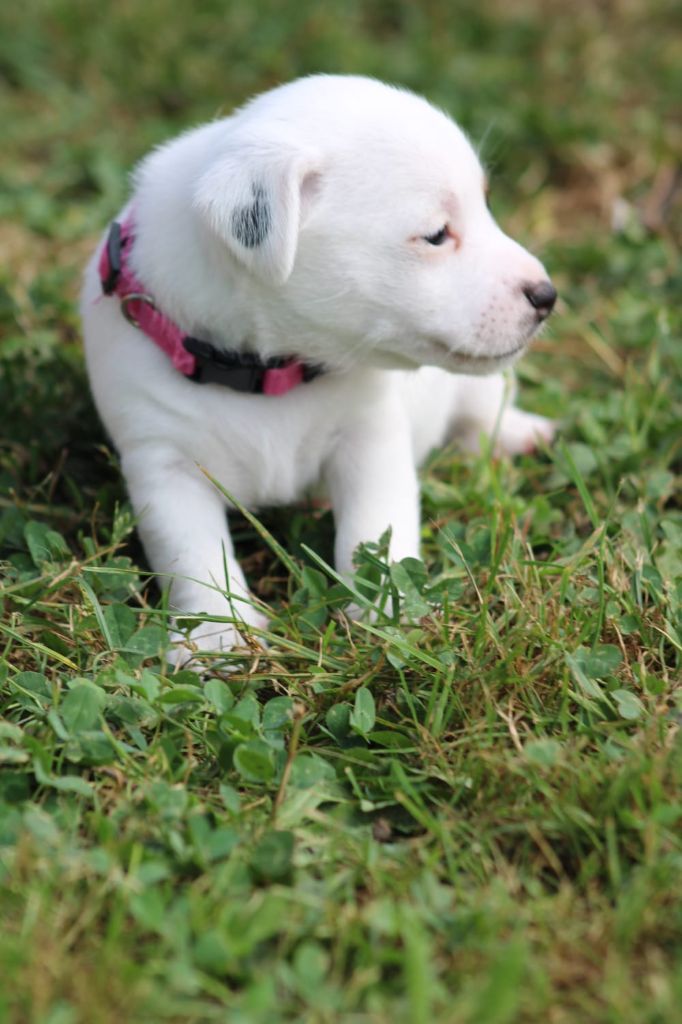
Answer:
(467, 807)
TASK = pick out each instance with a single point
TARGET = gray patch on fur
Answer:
(251, 224)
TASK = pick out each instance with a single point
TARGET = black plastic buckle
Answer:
(311, 371)
(240, 372)
(114, 244)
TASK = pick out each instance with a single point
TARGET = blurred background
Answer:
(578, 101)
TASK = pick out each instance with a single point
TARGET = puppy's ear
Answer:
(254, 198)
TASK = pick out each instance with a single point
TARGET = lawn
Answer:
(470, 812)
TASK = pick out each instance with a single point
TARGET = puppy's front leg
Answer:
(373, 484)
(182, 522)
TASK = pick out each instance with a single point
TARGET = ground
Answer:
(468, 814)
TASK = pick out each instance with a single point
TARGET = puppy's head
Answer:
(364, 209)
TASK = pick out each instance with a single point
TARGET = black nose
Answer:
(542, 297)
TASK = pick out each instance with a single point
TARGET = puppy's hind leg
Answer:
(182, 521)
(521, 432)
(485, 406)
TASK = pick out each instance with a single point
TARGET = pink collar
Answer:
(198, 360)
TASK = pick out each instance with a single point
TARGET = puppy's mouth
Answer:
(469, 359)
(435, 352)
(460, 360)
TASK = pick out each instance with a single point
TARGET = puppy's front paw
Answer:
(520, 432)
(214, 637)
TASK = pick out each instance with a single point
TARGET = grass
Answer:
(471, 814)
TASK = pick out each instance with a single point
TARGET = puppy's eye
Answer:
(439, 238)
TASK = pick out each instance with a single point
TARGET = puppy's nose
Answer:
(542, 297)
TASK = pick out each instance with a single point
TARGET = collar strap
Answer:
(198, 360)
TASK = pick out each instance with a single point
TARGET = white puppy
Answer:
(300, 293)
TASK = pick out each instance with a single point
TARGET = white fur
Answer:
(355, 175)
